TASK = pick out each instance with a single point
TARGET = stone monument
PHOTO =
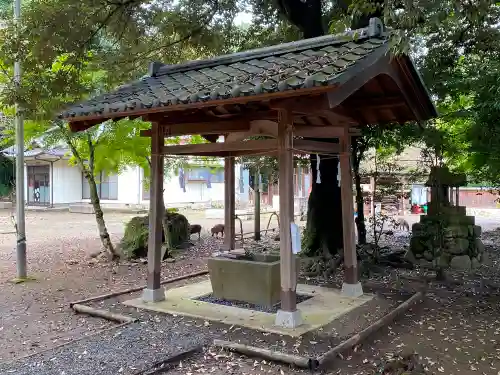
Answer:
(446, 236)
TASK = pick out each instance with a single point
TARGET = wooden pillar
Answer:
(288, 316)
(351, 286)
(457, 195)
(229, 205)
(154, 291)
(451, 195)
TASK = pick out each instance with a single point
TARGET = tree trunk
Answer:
(357, 153)
(324, 212)
(99, 217)
(324, 209)
(166, 231)
(88, 172)
(360, 208)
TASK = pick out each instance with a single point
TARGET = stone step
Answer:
(81, 208)
(449, 219)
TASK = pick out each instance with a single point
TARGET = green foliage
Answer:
(178, 229)
(100, 46)
(134, 243)
(6, 176)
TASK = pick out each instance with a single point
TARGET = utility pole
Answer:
(19, 123)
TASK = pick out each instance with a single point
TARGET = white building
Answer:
(52, 182)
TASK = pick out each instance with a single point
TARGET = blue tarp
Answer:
(419, 194)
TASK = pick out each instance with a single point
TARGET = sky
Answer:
(242, 18)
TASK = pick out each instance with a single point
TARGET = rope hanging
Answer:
(318, 173)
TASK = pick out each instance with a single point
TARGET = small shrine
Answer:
(446, 236)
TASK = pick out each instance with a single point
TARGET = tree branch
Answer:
(171, 44)
(104, 23)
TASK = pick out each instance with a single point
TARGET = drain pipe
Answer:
(270, 355)
(108, 315)
(322, 361)
(327, 357)
(135, 289)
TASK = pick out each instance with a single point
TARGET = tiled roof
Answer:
(291, 66)
(56, 152)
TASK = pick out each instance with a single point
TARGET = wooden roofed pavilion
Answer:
(317, 88)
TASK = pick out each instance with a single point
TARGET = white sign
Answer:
(295, 234)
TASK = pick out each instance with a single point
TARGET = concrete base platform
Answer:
(352, 290)
(325, 306)
(288, 319)
(153, 295)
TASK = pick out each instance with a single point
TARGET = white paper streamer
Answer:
(338, 175)
(318, 174)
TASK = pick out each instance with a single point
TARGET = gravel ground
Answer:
(126, 350)
(250, 306)
(35, 315)
(313, 343)
(454, 331)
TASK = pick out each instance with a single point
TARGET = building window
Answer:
(214, 175)
(107, 187)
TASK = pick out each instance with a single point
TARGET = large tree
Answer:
(324, 213)
(442, 33)
(121, 38)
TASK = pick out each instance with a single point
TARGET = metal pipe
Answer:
(256, 185)
(20, 183)
(51, 182)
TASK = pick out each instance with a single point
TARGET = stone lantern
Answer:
(446, 236)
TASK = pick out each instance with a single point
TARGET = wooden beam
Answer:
(362, 73)
(315, 147)
(257, 127)
(154, 291)
(181, 118)
(214, 127)
(317, 105)
(305, 105)
(269, 145)
(336, 119)
(287, 259)
(322, 131)
(270, 128)
(376, 102)
(411, 97)
(229, 204)
(351, 284)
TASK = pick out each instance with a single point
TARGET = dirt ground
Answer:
(455, 331)
(35, 315)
